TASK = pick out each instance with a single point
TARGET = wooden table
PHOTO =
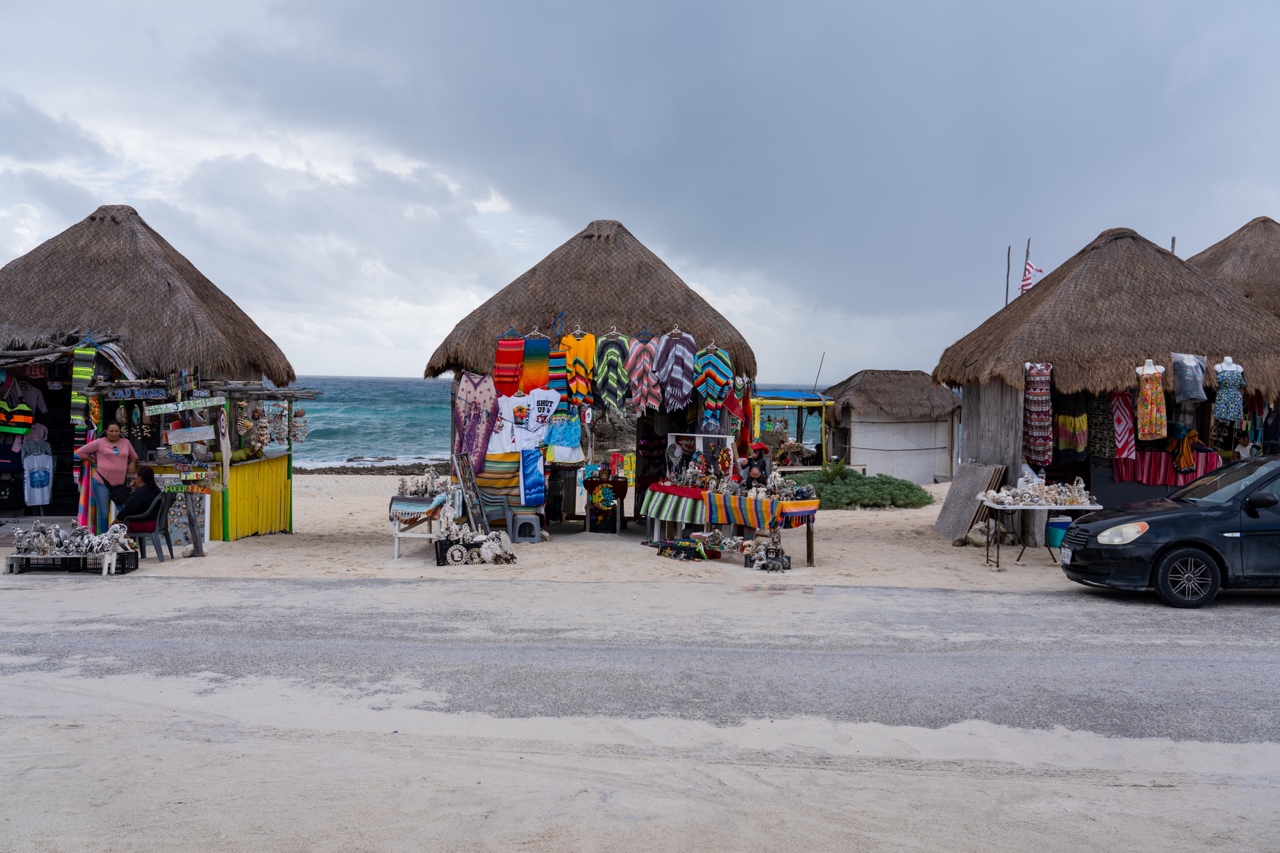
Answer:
(1018, 508)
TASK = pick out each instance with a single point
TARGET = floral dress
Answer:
(1229, 404)
(1152, 423)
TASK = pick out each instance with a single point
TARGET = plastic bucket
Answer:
(1055, 529)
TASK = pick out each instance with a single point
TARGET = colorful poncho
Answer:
(537, 364)
(673, 364)
(580, 356)
(713, 379)
(646, 393)
(558, 379)
(611, 372)
(508, 364)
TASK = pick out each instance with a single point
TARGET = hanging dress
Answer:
(475, 412)
(580, 355)
(537, 364)
(508, 364)
(1037, 415)
(674, 366)
(1122, 422)
(646, 393)
(1070, 428)
(1152, 421)
(1102, 429)
(1229, 404)
(713, 380)
(612, 381)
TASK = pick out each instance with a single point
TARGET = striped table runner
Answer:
(664, 507)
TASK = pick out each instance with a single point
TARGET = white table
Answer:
(1017, 508)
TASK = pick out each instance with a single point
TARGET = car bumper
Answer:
(1118, 567)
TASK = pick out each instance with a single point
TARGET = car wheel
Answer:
(1188, 577)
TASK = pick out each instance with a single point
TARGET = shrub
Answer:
(839, 487)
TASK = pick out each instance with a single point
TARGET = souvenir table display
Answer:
(45, 547)
(1032, 493)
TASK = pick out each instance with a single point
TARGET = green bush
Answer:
(839, 487)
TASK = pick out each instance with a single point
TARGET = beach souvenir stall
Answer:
(1119, 368)
(601, 334)
(896, 422)
(107, 319)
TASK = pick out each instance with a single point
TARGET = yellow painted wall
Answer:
(260, 495)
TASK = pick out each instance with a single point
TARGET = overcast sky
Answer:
(838, 177)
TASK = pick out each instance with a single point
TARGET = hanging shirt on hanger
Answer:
(37, 480)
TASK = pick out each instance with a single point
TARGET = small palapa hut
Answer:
(1118, 301)
(896, 422)
(139, 312)
(599, 280)
(1247, 261)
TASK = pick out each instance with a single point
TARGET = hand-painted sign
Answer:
(191, 490)
(185, 436)
(168, 408)
(136, 394)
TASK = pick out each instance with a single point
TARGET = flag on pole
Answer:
(1026, 276)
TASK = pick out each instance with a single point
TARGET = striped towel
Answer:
(748, 512)
(501, 475)
(646, 393)
(714, 378)
(81, 376)
(612, 382)
(580, 353)
(508, 364)
(1122, 420)
(674, 367)
(537, 364)
(558, 379)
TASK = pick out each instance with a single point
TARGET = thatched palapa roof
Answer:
(1117, 301)
(904, 395)
(601, 278)
(111, 275)
(1248, 260)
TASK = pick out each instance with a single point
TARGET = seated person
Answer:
(145, 491)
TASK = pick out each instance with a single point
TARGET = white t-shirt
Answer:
(523, 421)
(37, 479)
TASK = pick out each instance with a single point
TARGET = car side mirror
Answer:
(1261, 500)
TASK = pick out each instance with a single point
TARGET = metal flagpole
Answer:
(1008, 267)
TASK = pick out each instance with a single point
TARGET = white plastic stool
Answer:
(521, 521)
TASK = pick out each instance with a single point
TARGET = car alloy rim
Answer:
(1189, 578)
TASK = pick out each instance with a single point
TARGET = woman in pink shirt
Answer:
(116, 462)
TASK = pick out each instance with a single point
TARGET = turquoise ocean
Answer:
(381, 421)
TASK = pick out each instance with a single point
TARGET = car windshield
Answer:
(1224, 484)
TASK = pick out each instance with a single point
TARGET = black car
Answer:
(1222, 531)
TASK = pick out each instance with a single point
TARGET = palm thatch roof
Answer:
(111, 275)
(1248, 260)
(904, 395)
(1117, 301)
(601, 277)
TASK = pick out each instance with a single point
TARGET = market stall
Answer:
(793, 424)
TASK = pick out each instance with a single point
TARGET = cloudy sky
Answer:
(840, 177)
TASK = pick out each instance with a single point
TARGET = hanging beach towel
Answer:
(508, 364)
(537, 364)
(1037, 420)
(1123, 423)
(612, 379)
(645, 391)
(533, 489)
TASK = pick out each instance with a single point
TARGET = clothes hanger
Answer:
(613, 332)
(675, 331)
(577, 332)
(509, 333)
(535, 333)
(644, 334)
(711, 347)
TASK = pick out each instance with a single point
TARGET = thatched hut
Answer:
(602, 278)
(111, 275)
(1119, 300)
(1248, 261)
(896, 422)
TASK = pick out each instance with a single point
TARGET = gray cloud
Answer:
(29, 135)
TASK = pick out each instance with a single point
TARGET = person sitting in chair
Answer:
(145, 491)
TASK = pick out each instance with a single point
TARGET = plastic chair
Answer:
(153, 524)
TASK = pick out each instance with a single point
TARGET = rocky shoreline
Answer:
(413, 469)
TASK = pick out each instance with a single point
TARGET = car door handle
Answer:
(1232, 535)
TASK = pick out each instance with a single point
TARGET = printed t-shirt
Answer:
(113, 467)
(38, 479)
(523, 421)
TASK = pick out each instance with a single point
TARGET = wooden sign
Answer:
(137, 394)
(188, 489)
(470, 492)
(185, 405)
(191, 434)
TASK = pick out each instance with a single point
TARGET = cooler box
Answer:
(1055, 530)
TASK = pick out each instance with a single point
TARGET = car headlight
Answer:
(1123, 534)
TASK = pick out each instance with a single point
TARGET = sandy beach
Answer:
(341, 530)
